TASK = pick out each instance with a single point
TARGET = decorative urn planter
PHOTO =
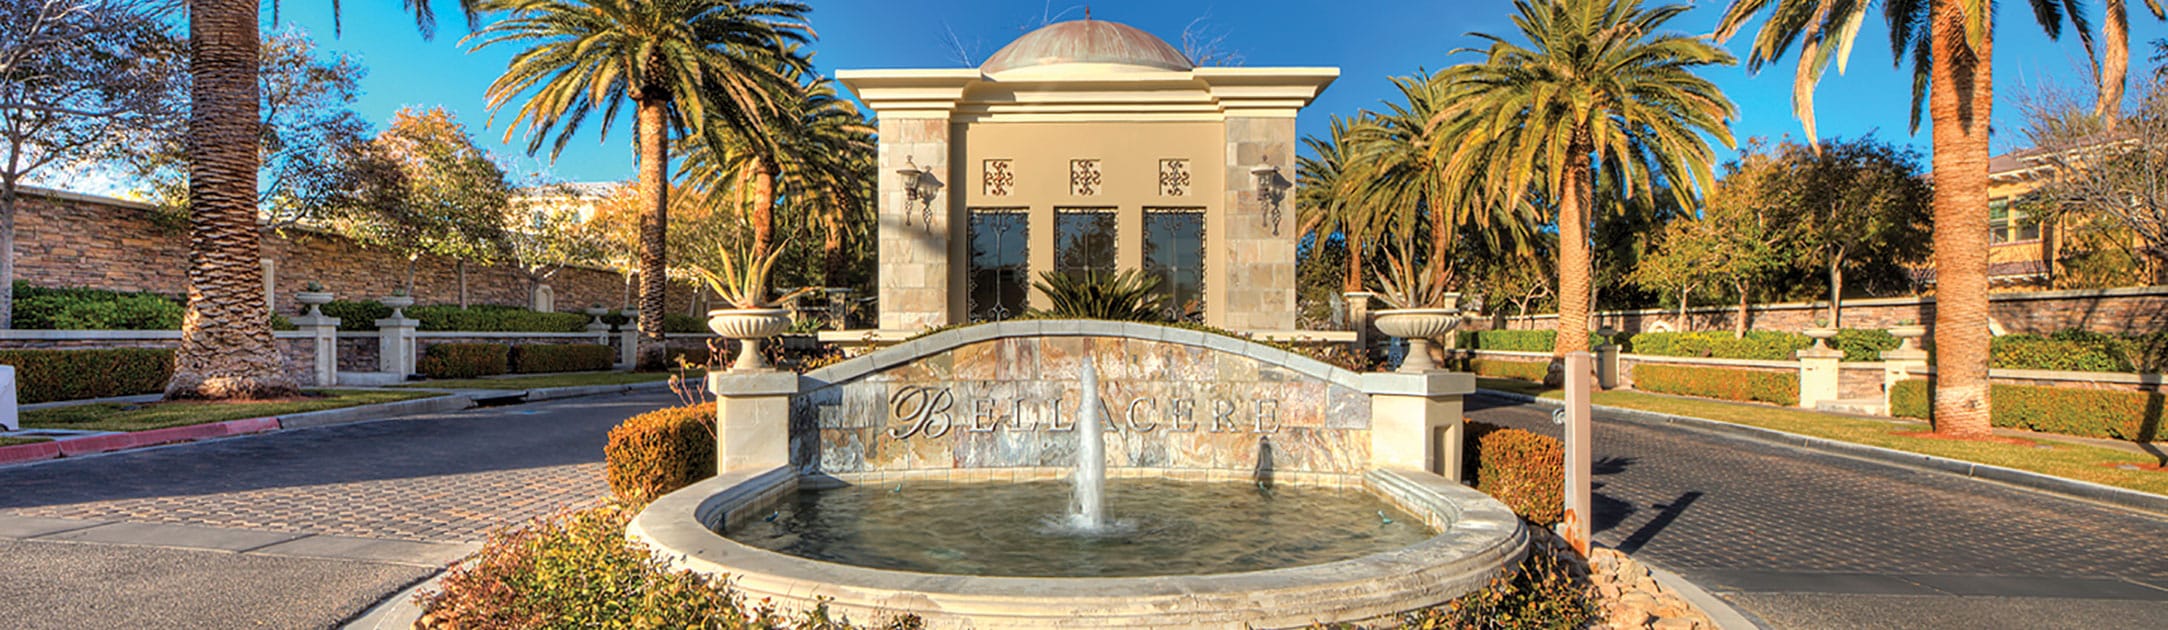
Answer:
(1418, 326)
(597, 312)
(398, 304)
(749, 326)
(1821, 336)
(315, 300)
(1908, 335)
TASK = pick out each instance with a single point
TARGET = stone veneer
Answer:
(1258, 285)
(914, 264)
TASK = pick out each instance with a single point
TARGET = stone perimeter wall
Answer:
(76, 241)
(2127, 311)
(1011, 404)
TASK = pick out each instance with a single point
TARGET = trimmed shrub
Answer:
(1517, 340)
(685, 324)
(464, 360)
(1860, 344)
(1757, 344)
(75, 308)
(577, 569)
(653, 453)
(49, 375)
(561, 357)
(1780, 388)
(2072, 351)
(356, 315)
(1523, 370)
(492, 318)
(1523, 470)
(2100, 413)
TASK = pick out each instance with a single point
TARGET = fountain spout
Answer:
(1086, 509)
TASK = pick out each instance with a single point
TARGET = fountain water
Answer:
(1087, 511)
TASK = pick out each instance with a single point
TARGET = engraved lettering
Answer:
(1223, 413)
(1182, 415)
(982, 416)
(1142, 427)
(1054, 406)
(925, 409)
(1268, 415)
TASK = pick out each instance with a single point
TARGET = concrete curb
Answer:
(397, 612)
(553, 393)
(2083, 490)
(378, 411)
(1726, 616)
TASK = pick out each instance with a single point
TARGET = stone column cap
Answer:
(1896, 354)
(315, 321)
(1431, 384)
(397, 322)
(753, 383)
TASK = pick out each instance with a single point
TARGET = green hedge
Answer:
(1523, 370)
(1757, 344)
(1523, 470)
(1516, 340)
(357, 315)
(2101, 413)
(74, 308)
(561, 357)
(1781, 388)
(49, 375)
(684, 324)
(487, 318)
(464, 360)
(654, 453)
(2082, 351)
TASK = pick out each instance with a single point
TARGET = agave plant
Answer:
(1403, 285)
(1128, 295)
(743, 279)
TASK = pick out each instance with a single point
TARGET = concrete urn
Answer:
(1821, 336)
(398, 304)
(1908, 335)
(315, 300)
(1418, 326)
(749, 326)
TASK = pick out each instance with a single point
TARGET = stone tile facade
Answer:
(914, 233)
(1012, 403)
(1259, 240)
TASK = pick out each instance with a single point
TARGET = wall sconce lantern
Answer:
(917, 190)
(1269, 193)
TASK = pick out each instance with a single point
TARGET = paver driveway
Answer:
(293, 529)
(1805, 540)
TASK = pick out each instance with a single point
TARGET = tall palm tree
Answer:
(2114, 61)
(1950, 44)
(815, 153)
(1600, 89)
(1324, 204)
(226, 349)
(675, 61)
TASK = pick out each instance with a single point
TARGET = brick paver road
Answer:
(438, 478)
(1816, 541)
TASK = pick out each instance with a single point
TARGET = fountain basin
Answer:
(1476, 539)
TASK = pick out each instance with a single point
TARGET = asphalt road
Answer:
(296, 529)
(1800, 539)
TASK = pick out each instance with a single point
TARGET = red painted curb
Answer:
(31, 452)
(120, 441)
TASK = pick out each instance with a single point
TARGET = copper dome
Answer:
(1087, 41)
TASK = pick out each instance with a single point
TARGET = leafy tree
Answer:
(1950, 47)
(1731, 245)
(540, 241)
(443, 196)
(1848, 206)
(678, 62)
(1600, 88)
(2104, 192)
(73, 75)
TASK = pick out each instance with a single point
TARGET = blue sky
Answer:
(1369, 40)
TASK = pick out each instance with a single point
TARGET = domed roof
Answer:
(1087, 41)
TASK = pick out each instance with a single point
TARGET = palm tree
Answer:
(2114, 62)
(815, 154)
(1324, 204)
(676, 61)
(1601, 89)
(226, 349)
(1950, 44)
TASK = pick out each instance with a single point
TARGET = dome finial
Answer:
(1087, 13)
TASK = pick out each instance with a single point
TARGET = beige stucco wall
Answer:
(1129, 155)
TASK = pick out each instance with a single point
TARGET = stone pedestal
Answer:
(323, 332)
(628, 346)
(752, 419)
(1819, 372)
(1897, 366)
(395, 346)
(1415, 420)
(1358, 317)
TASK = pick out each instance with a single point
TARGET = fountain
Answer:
(1087, 512)
(1249, 486)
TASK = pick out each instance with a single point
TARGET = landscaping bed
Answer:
(160, 415)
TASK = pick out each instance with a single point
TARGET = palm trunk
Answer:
(2114, 61)
(226, 346)
(1354, 279)
(763, 215)
(1961, 100)
(655, 190)
(1574, 285)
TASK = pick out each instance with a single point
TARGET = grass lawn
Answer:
(11, 441)
(159, 415)
(2069, 461)
(552, 380)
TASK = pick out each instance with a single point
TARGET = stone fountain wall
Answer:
(1227, 409)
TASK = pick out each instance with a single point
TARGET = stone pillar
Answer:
(323, 331)
(1358, 317)
(628, 343)
(1254, 282)
(1415, 420)
(914, 233)
(1819, 371)
(395, 345)
(752, 418)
